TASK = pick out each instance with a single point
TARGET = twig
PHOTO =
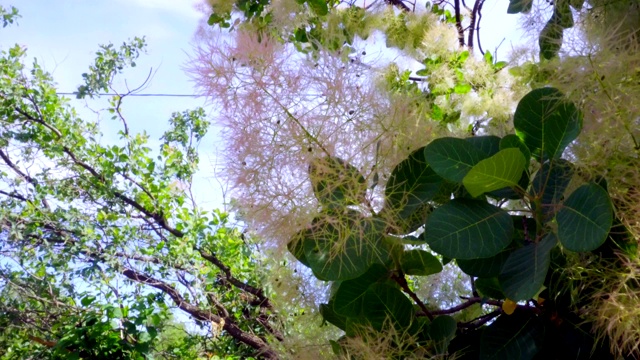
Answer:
(402, 281)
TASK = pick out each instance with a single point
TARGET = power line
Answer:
(142, 95)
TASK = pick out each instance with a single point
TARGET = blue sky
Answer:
(64, 36)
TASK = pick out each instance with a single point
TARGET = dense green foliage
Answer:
(503, 232)
(102, 244)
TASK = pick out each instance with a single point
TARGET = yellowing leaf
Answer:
(509, 306)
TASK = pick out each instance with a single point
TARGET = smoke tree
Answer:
(379, 172)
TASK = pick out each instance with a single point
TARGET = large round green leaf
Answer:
(420, 262)
(336, 183)
(504, 169)
(585, 218)
(329, 315)
(550, 183)
(441, 330)
(488, 144)
(385, 302)
(343, 246)
(526, 268)
(490, 288)
(452, 158)
(487, 267)
(547, 122)
(411, 186)
(468, 229)
(349, 298)
(513, 141)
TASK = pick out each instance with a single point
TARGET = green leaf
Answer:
(490, 288)
(507, 142)
(549, 184)
(301, 35)
(441, 330)
(349, 298)
(319, 7)
(87, 300)
(342, 247)
(513, 141)
(420, 262)
(468, 229)
(443, 327)
(296, 248)
(519, 6)
(517, 336)
(423, 72)
(577, 4)
(488, 57)
(501, 170)
(452, 158)
(526, 268)
(585, 218)
(384, 303)
(550, 40)
(462, 88)
(547, 122)
(562, 14)
(486, 267)
(411, 186)
(330, 316)
(488, 144)
(336, 183)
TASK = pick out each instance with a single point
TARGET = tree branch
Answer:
(402, 281)
(212, 258)
(227, 323)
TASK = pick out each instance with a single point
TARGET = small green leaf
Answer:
(452, 158)
(301, 35)
(524, 271)
(319, 7)
(87, 300)
(585, 218)
(488, 57)
(420, 262)
(501, 170)
(462, 88)
(468, 229)
(547, 122)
